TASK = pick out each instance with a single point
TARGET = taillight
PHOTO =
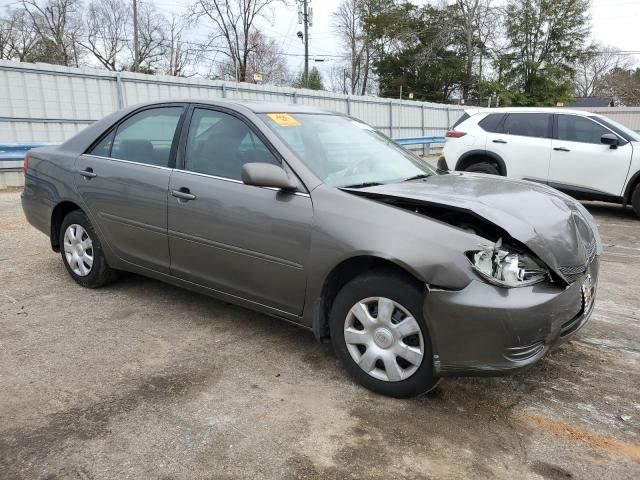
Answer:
(25, 166)
(455, 134)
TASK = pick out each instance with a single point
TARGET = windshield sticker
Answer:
(283, 119)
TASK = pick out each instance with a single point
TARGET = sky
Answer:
(614, 23)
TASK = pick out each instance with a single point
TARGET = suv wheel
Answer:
(82, 253)
(483, 167)
(635, 200)
(380, 336)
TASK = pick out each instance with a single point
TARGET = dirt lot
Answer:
(144, 380)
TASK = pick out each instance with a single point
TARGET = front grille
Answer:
(519, 354)
(574, 272)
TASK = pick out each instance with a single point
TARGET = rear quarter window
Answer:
(460, 120)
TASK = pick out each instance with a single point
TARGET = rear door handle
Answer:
(499, 141)
(183, 194)
(88, 173)
(561, 149)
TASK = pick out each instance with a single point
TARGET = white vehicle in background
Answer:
(585, 155)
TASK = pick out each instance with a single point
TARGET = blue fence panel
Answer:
(12, 155)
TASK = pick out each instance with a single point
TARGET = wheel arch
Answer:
(476, 156)
(633, 182)
(59, 212)
(344, 272)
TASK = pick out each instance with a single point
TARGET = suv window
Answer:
(220, 144)
(491, 122)
(145, 137)
(527, 124)
(460, 120)
(573, 128)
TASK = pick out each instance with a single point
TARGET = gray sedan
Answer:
(318, 219)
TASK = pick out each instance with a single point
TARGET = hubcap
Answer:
(78, 250)
(384, 339)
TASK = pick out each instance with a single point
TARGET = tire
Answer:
(403, 378)
(635, 200)
(78, 244)
(482, 167)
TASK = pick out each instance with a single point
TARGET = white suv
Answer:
(585, 155)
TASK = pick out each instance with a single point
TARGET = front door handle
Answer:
(88, 173)
(561, 149)
(183, 194)
(499, 141)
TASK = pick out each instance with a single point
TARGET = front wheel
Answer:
(82, 253)
(379, 334)
(483, 167)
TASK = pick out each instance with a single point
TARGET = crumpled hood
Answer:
(558, 229)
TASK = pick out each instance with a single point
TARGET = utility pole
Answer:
(305, 17)
(136, 45)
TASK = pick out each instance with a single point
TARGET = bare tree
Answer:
(233, 22)
(59, 28)
(6, 33)
(592, 68)
(180, 54)
(477, 23)
(152, 27)
(265, 58)
(107, 30)
(348, 23)
(624, 86)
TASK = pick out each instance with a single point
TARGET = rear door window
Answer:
(147, 136)
(491, 122)
(527, 125)
(573, 128)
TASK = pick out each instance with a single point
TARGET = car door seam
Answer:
(233, 249)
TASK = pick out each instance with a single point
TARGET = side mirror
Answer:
(267, 175)
(610, 139)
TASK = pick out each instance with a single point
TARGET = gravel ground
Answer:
(145, 380)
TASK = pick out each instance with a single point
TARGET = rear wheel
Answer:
(380, 336)
(483, 167)
(635, 200)
(82, 252)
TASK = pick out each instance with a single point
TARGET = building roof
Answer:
(590, 102)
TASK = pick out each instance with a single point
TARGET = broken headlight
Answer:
(504, 266)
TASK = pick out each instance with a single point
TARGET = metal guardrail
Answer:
(424, 141)
(12, 155)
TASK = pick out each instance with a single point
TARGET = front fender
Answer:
(429, 250)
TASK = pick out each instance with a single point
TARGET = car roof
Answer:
(254, 106)
(474, 111)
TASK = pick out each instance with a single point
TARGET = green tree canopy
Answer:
(545, 39)
(414, 48)
(314, 83)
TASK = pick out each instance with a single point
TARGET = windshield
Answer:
(344, 152)
(618, 128)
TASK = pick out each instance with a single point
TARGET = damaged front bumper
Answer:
(488, 330)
